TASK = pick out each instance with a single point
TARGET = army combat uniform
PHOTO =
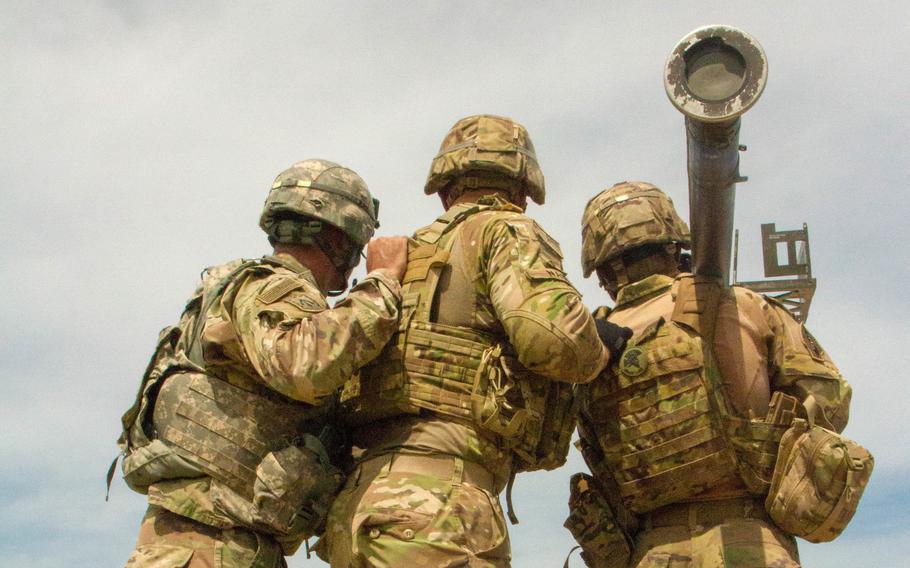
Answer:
(680, 433)
(458, 401)
(225, 437)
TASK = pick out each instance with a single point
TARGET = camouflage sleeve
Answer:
(304, 349)
(548, 325)
(801, 368)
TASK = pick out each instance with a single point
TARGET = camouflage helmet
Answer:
(487, 144)
(628, 215)
(319, 190)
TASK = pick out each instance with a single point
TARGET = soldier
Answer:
(681, 433)
(464, 396)
(227, 435)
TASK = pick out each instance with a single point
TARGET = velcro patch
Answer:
(310, 304)
(278, 289)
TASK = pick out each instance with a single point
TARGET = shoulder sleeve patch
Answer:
(548, 241)
(309, 304)
(277, 289)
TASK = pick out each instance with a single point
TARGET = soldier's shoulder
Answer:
(268, 282)
(221, 271)
(278, 279)
(508, 218)
(519, 228)
(492, 224)
(495, 216)
(745, 296)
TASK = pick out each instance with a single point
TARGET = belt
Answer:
(163, 527)
(705, 513)
(454, 468)
(160, 523)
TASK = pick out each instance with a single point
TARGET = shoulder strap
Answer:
(427, 260)
(696, 305)
(193, 346)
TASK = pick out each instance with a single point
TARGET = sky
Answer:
(140, 138)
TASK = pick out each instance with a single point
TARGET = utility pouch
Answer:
(559, 419)
(291, 493)
(818, 480)
(592, 523)
(497, 402)
(294, 489)
(153, 462)
(534, 416)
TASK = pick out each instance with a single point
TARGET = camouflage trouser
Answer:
(416, 511)
(736, 533)
(168, 540)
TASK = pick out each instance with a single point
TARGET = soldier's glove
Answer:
(614, 336)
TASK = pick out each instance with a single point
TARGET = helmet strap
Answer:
(629, 268)
(343, 259)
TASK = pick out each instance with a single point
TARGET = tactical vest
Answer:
(188, 422)
(459, 372)
(663, 425)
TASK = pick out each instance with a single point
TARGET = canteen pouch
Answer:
(294, 488)
(497, 404)
(291, 494)
(818, 480)
(593, 525)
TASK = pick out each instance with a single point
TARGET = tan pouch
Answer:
(294, 489)
(153, 462)
(593, 524)
(818, 480)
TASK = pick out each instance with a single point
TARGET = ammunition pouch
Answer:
(818, 480)
(593, 524)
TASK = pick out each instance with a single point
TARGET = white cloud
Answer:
(139, 140)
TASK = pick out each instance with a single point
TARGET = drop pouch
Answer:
(593, 524)
(818, 480)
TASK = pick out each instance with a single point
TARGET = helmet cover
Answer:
(625, 216)
(487, 144)
(319, 190)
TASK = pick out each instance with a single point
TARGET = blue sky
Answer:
(139, 140)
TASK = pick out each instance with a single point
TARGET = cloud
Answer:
(139, 140)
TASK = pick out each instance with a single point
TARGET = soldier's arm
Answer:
(803, 369)
(548, 325)
(304, 349)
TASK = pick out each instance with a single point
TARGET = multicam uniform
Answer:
(678, 433)
(428, 482)
(438, 414)
(226, 436)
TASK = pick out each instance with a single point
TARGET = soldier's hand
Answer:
(389, 253)
(614, 337)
